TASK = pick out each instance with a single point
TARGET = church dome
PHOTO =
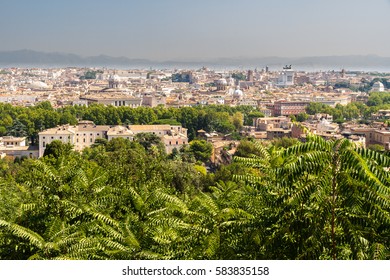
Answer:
(38, 85)
(238, 93)
(222, 81)
(114, 78)
(378, 86)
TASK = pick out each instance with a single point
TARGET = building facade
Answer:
(287, 108)
(16, 147)
(132, 102)
(286, 78)
(85, 133)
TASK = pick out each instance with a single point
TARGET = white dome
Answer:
(222, 81)
(38, 85)
(378, 86)
(114, 78)
(238, 93)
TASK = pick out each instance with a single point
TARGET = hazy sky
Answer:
(185, 29)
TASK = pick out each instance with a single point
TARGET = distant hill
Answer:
(30, 58)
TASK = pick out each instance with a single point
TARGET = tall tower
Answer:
(343, 73)
(250, 76)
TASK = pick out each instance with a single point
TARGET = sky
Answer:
(197, 29)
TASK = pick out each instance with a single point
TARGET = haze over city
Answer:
(185, 30)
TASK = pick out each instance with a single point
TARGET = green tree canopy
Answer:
(201, 149)
(57, 148)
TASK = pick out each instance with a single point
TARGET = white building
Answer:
(286, 78)
(80, 136)
(118, 101)
(16, 147)
(13, 141)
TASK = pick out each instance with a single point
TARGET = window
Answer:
(60, 137)
(77, 140)
(90, 134)
(84, 140)
(90, 140)
(44, 144)
(44, 137)
(98, 134)
(52, 137)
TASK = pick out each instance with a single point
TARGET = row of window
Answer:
(120, 103)
(91, 134)
(170, 142)
(52, 137)
(90, 140)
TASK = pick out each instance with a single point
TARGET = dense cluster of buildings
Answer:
(320, 124)
(277, 94)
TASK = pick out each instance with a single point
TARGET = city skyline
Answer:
(185, 30)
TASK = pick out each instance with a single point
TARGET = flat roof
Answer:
(150, 127)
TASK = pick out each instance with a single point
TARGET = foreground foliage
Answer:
(124, 200)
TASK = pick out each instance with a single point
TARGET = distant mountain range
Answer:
(30, 58)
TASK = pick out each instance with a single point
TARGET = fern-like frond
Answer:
(24, 233)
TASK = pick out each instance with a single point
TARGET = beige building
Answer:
(159, 129)
(150, 100)
(382, 137)
(278, 133)
(267, 123)
(80, 136)
(13, 141)
(16, 147)
(118, 101)
(85, 133)
(119, 131)
(174, 141)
